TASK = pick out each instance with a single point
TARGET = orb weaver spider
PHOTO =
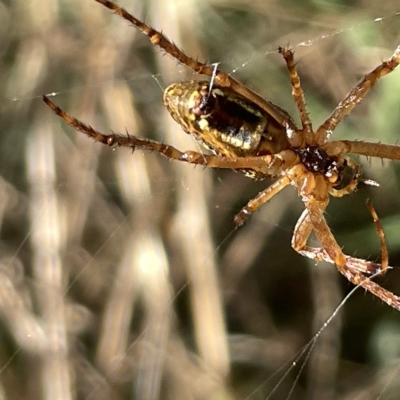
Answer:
(245, 132)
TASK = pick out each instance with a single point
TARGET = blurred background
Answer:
(122, 276)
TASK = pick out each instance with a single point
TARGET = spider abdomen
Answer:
(225, 122)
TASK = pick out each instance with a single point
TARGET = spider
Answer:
(247, 133)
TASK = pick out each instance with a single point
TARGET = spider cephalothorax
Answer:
(248, 133)
(317, 160)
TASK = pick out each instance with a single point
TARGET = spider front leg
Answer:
(313, 219)
(356, 94)
(298, 96)
(380, 150)
(270, 164)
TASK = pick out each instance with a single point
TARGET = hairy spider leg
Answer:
(369, 149)
(221, 77)
(306, 134)
(300, 237)
(355, 95)
(313, 219)
(262, 197)
(272, 164)
(381, 236)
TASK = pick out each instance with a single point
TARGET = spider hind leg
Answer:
(352, 268)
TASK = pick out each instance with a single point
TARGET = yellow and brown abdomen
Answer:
(223, 121)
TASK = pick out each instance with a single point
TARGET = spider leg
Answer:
(221, 78)
(270, 164)
(355, 95)
(368, 149)
(262, 197)
(300, 236)
(298, 96)
(313, 219)
(381, 236)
